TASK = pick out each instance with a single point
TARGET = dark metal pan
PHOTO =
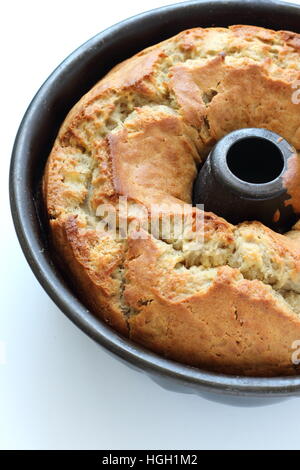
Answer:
(34, 140)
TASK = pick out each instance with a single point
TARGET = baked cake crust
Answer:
(232, 304)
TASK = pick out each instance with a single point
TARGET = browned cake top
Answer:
(231, 301)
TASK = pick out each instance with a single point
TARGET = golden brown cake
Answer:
(229, 302)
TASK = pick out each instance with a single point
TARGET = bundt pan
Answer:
(74, 77)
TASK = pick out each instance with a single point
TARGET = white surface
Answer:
(58, 389)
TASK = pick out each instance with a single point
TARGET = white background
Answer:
(58, 389)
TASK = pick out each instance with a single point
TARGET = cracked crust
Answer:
(230, 303)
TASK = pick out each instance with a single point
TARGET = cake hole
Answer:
(255, 160)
